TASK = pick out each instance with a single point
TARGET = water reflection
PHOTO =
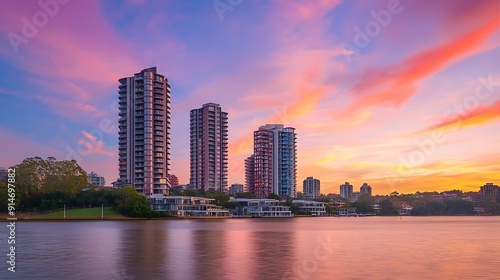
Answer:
(363, 248)
(143, 251)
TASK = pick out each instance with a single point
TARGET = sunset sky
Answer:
(403, 95)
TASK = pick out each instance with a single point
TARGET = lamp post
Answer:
(102, 211)
(65, 211)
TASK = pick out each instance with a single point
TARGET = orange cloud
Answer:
(394, 89)
(306, 102)
(477, 116)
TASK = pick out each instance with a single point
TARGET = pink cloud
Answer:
(16, 148)
(94, 146)
(393, 85)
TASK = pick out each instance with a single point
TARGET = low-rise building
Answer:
(187, 206)
(346, 212)
(444, 196)
(405, 210)
(178, 189)
(316, 208)
(260, 207)
(93, 179)
(354, 196)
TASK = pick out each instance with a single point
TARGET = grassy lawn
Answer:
(81, 213)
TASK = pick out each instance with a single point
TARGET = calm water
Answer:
(297, 248)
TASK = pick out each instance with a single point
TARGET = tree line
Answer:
(47, 184)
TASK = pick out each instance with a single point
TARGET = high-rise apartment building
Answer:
(346, 190)
(249, 174)
(144, 132)
(208, 148)
(489, 190)
(365, 189)
(311, 188)
(274, 161)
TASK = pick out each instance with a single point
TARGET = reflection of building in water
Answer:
(141, 252)
(187, 206)
(266, 247)
(210, 249)
(260, 208)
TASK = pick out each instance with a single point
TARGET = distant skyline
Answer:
(403, 95)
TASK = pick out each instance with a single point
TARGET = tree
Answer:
(394, 194)
(220, 198)
(387, 208)
(459, 207)
(293, 208)
(245, 195)
(330, 210)
(36, 176)
(274, 196)
(132, 204)
(436, 207)
(362, 207)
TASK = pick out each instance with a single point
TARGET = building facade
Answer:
(249, 207)
(315, 208)
(346, 190)
(274, 161)
(208, 148)
(490, 190)
(187, 206)
(365, 189)
(236, 188)
(95, 179)
(249, 174)
(311, 188)
(144, 132)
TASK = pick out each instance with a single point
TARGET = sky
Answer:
(403, 95)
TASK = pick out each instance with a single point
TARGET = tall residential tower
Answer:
(144, 132)
(249, 174)
(274, 161)
(208, 148)
(311, 188)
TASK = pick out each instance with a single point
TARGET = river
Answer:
(288, 248)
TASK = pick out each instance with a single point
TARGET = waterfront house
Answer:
(316, 208)
(187, 206)
(261, 207)
(346, 212)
